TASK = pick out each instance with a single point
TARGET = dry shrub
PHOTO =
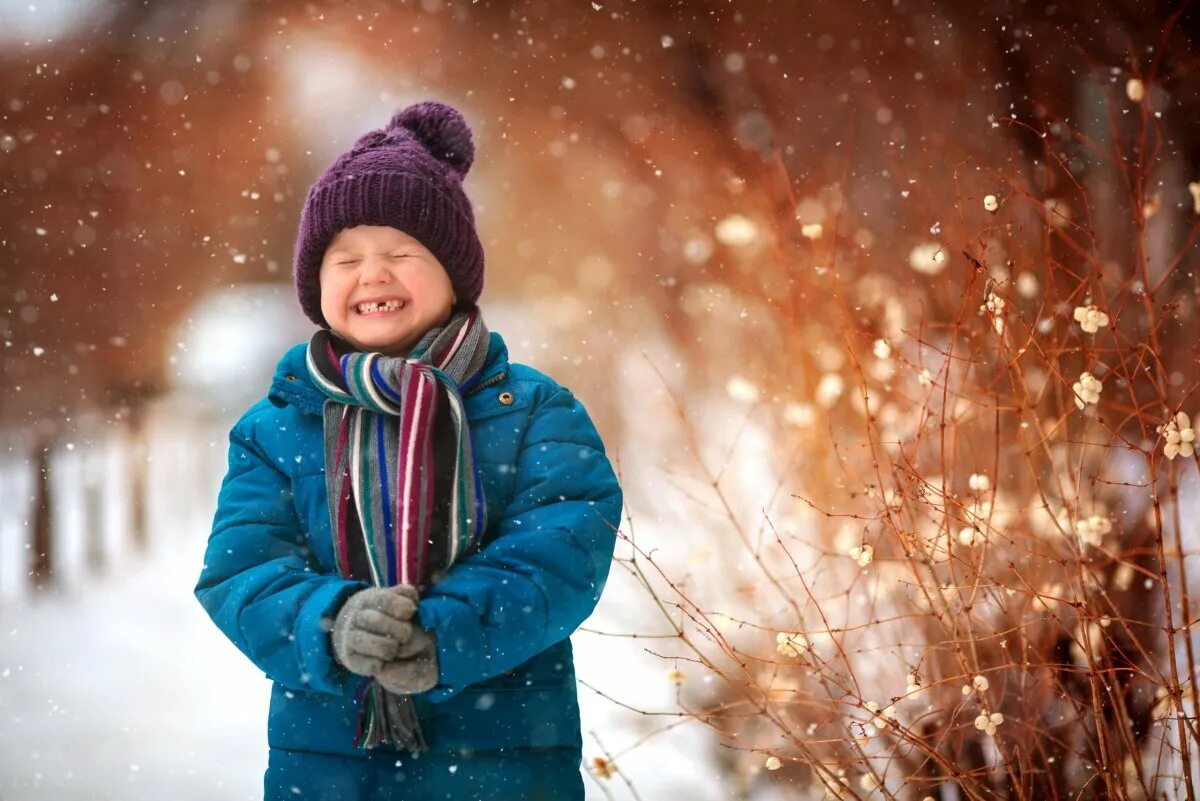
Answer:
(975, 586)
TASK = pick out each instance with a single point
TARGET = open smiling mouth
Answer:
(385, 309)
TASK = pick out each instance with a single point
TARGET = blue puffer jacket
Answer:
(502, 616)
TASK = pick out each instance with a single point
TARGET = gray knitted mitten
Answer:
(371, 627)
(415, 668)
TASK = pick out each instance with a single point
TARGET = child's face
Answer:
(378, 262)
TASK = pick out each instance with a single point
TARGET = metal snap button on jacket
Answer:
(506, 398)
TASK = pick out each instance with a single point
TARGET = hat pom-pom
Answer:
(442, 130)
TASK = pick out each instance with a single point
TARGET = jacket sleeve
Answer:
(259, 583)
(542, 573)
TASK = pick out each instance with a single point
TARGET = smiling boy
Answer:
(378, 264)
(411, 525)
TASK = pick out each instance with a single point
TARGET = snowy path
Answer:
(122, 688)
(126, 690)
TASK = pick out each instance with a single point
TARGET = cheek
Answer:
(438, 286)
(333, 296)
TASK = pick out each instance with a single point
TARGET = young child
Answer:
(411, 526)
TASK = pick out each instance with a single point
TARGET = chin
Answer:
(384, 342)
(379, 344)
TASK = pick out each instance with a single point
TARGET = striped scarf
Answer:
(397, 443)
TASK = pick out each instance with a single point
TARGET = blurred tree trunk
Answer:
(42, 558)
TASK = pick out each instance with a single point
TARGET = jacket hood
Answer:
(292, 384)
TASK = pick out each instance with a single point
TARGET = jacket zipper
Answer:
(493, 380)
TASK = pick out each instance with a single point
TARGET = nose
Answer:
(375, 271)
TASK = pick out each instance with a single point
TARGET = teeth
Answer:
(370, 308)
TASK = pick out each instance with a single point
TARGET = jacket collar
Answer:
(292, 384)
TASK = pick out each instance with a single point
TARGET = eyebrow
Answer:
(349, 251)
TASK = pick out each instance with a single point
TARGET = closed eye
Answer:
(391, 256)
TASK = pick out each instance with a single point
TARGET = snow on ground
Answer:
(127, 692)
(122, 688)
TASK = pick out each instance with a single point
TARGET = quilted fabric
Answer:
(503, 616)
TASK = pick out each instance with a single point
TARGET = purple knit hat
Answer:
(409, 176)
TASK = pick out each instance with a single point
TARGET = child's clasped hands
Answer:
(374, 635)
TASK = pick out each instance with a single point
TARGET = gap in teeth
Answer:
(368, 308)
